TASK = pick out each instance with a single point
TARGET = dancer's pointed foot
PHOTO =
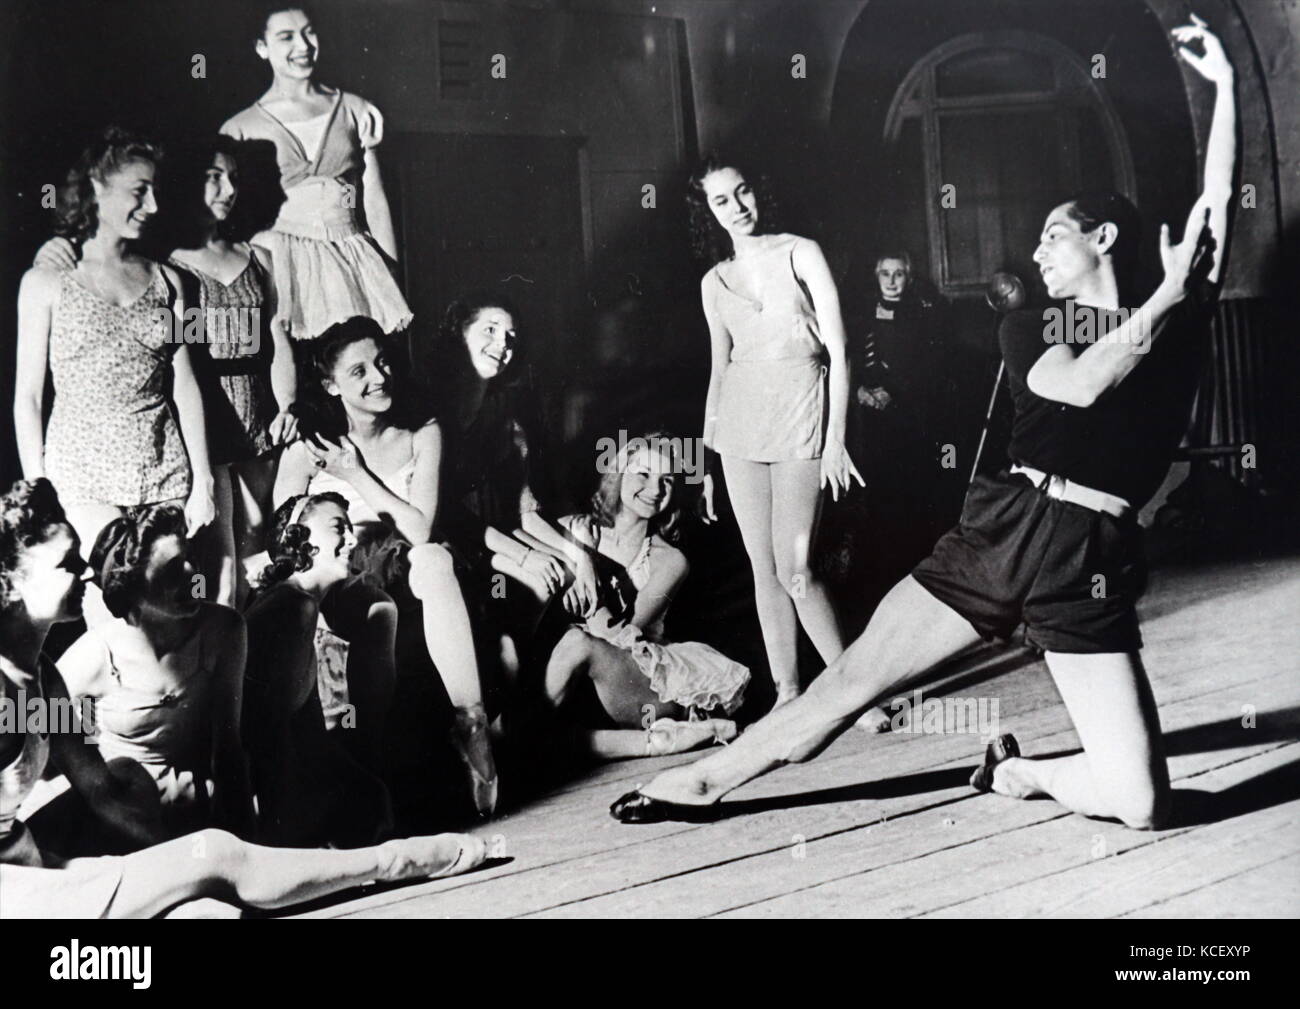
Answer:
(469, 734)
(667, 735)
(874, 720)
(429, 856)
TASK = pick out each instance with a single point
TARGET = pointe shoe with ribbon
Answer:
(469, 735)
(430, 856)
(668, 735)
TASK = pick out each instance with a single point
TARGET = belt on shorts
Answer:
(1060, 489)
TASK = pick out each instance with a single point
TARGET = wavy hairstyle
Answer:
(607, 500)
(30, 514)
(710, 242)
(76, 215)
(322, 414)
(290, 547)
(120, 556)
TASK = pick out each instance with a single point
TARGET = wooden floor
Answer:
(887, 826)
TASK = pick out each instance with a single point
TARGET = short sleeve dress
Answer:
(772, 402)
(113, 437)
(327, 268)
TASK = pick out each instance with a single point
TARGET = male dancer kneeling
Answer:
(1092, 438)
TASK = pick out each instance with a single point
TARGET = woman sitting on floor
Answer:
(642, 681)
(166, 674)
(363, 446)
(41, 584)
(309, 789)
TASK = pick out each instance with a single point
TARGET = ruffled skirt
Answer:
(321, 282)
(687, 673)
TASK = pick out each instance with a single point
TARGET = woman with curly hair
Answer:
(772, 413)
(41, 584)
(310, 790)
(362, 444)
(641, 679)
(167, 673)
(127, 428)
(245, 366)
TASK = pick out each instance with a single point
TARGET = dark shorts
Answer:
(1071, 575)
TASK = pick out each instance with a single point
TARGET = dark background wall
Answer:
(537, 182)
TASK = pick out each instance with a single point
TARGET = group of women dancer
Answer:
(401, 564)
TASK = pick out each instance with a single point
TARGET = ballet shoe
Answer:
(667, 735)
(1003, 748)
(469, 736)
(425, 857)
(637, 808)
(874, 720)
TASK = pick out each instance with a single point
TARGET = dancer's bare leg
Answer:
(1122, 771)
(447, 633)
(227, 560)
(749, 485)
(796, 508)
(910, 632)
(216, 863)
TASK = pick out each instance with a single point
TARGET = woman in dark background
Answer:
(310, 791)
(773, 316)
(329, 262)
(363, 443)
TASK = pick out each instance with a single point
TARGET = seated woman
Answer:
(491, 517)
(41, 584)
(309, 789)
(641, 679)
(364, 446)
(166, 674)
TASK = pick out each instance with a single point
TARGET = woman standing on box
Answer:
(333, 243)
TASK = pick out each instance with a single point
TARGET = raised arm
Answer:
(36, 297)
(1221, 150)
(1061, 376)
(293, 475)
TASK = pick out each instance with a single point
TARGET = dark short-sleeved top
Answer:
(1124, 441)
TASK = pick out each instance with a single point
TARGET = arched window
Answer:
(986, 133)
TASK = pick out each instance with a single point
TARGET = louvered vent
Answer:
(462, 64)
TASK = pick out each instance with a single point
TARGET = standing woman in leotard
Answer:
(775, 325)
(332, 245)
(127, 428)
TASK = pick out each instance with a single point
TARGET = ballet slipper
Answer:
(469, 735)
(634, 807)
(874, 720)
(429, 857)
(667, 735)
